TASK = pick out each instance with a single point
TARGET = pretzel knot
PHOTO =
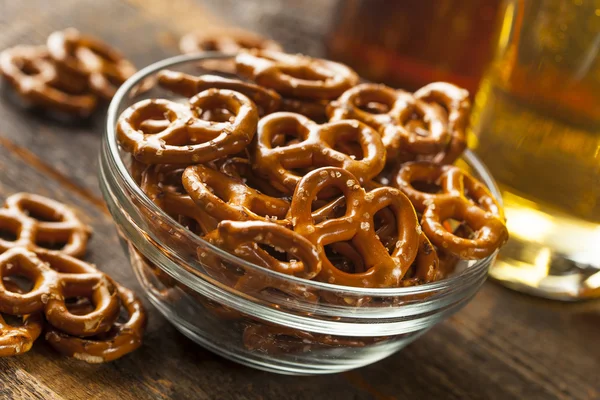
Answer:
(55, 278)
(406, 123)
(455, 101)
(266, 100)
(105, 68)
(227, 41)
(313, 146)
(35, 77)
(357, 225)
(188, 139)
(120, 339)
(38, 223)
(454, 194)
(226, 198)
(296, 75)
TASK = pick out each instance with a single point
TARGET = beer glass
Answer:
(536, 124)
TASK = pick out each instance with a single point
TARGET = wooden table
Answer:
(502, 345)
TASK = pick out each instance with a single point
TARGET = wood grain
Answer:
(503, 345)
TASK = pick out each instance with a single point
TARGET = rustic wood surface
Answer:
(502, 345)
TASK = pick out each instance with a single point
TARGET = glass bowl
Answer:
(287, 325)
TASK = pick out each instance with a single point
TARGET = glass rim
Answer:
(124, 178)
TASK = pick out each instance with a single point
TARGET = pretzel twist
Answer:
(456, 102)
(357, 225)
(55, 278)
(227, 41)
(405, 123)
(36, 78)
(188, 139)
(186, 85)
(460, 197)
(121, 339)
(104, 67)
(314, 146)
(37, 221)
(296, 76)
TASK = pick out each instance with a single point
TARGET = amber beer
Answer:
(536, 124)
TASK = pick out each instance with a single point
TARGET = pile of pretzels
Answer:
(43, 283)
(299, 168)
(72, 74)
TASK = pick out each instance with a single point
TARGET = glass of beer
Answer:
(536, 124)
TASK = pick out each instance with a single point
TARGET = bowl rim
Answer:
(112, 155)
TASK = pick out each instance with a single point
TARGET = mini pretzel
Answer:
(56, 277)
(105, 67)
(357, 225)
(37, 221)
(35, 77)
(188, 139)
(313, 109)
(226, 41)
(267, 100)
(296, 76)
(315, 147)
(226, 198)
(397, 122)
(461, 198)
(456, 102)
(240, 168)
(121, 339)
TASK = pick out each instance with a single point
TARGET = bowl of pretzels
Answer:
(288, 216)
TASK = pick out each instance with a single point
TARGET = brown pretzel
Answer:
(225, 41)
(226, 198)
(55, 278)
(315, 147)
(460, 197)
(121, 339)
(406, 124)
(357, 225)
(240, 168)
(456, 102)
(267, 100)
(37, 222)
(296, 76)
(188, 139)
(105, 68)
(34, 76)
(313, 109)
(163, 185)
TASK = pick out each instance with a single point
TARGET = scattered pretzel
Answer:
(35, 77)
(457, 104)
(105, 68)
(357, 225)
(57, 277)
(120, 339)
(186, 85)
(314, 147)
(225, 41)
(188, 138)
(37, 222)
(406, 123)
(460, 197)
(296, 76)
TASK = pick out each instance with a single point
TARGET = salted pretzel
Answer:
(104, 67)
(228, 41)
(456, 102)
(18, 339)
(296, 76)
(314, 146)
(55, 278)
(38, 223)
(227, 198)
(30, 70)
(313, 109)
(406, 123)
(188, 139)
(267, 101)
(358, 226)
(461, 197)
(240, 168)
(122, 337)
